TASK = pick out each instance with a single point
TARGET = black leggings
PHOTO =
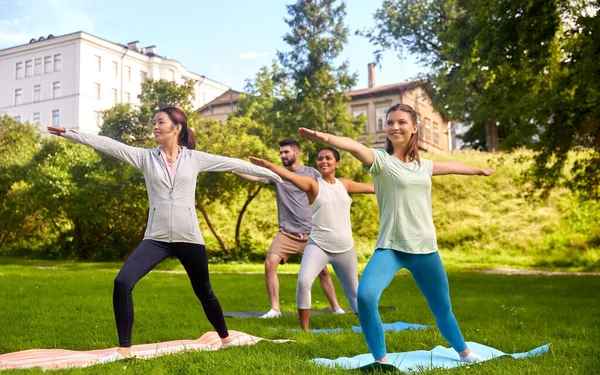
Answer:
(143, 259)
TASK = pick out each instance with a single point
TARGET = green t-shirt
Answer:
(403, 193)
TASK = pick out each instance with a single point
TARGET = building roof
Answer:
(376, 90)
(228, 97)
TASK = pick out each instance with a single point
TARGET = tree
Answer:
(238, 138)
(508, 68)
(317, 36)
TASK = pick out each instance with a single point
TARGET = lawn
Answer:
(70, 307)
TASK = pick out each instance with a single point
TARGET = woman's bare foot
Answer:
(382, 360)
(124, 352)
(226, 340)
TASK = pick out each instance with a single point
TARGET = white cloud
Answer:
(13, 38)
(56, 17)
(252, 55)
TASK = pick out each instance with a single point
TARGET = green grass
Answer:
(71, 308)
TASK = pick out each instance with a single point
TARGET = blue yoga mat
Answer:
(419, 360)
(398, 326)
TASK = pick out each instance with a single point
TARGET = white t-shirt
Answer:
(331, 228)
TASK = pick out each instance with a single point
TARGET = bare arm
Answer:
(307, 184)
(251, 178)
(364, 154)
(454, 167)
(353, 187)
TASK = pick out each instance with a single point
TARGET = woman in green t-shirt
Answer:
(407, 236)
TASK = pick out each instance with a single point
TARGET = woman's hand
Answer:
(260, 162)
(486, 172)
(312, 135)
(56, 130)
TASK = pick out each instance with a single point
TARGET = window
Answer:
(115, 68)
(143, 75)
(19, 70)
(361, 112)
(115, 96)
(435, 133)
(57, 62)
(37, 93)
(128, 73)
(97, 90)
(17, 118)
(171, 74)
(98, 63)
(56, 117)
(18, 96)
(28, 68)
(427, 130)
(55, 90)
(127, 98)
(419, 126)
(47, 64)
(380, 117)
(98, 118)
(36, 118)
(38, 66)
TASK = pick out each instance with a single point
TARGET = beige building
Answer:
(435, 132)
(219, 108)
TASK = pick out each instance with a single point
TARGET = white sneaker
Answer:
(112, 357)
(271, 314)
(339, 311)
(472, 358)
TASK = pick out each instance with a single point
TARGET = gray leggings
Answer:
(314, 260)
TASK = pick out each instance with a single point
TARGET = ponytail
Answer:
(187, 138)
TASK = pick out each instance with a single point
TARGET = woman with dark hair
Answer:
(170, 172)
(330, 240)
(407, 236)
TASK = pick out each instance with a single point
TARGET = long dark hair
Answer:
(413, 143)
(187, 138)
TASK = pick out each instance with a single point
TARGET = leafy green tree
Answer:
(521, 73)
(317, 36)
(18, 144)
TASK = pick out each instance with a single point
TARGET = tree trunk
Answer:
(491, 136)
(238, 226)
(223, 245)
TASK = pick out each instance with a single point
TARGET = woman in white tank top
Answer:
(330, 239)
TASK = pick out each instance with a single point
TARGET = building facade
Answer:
(435, 132)
(220, 108)
(69, 80)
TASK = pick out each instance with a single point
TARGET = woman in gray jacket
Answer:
(170, 172)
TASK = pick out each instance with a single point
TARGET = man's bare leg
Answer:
(272, 282)
(329, 289)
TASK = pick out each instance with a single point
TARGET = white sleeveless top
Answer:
(331, 228)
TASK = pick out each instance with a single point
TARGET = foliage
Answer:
(305, 87)
(526, 70)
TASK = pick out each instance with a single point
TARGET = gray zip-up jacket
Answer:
(173, 215)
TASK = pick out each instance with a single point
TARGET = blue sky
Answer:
(226, 40)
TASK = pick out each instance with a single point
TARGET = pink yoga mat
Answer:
(62, 358)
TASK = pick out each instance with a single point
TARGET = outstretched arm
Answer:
(307, 184)
(358, 150)
(250, 177)
(214, 163)
(353, 187)
(129, 154)
(454, 167)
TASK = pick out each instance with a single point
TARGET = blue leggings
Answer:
(428, 271)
